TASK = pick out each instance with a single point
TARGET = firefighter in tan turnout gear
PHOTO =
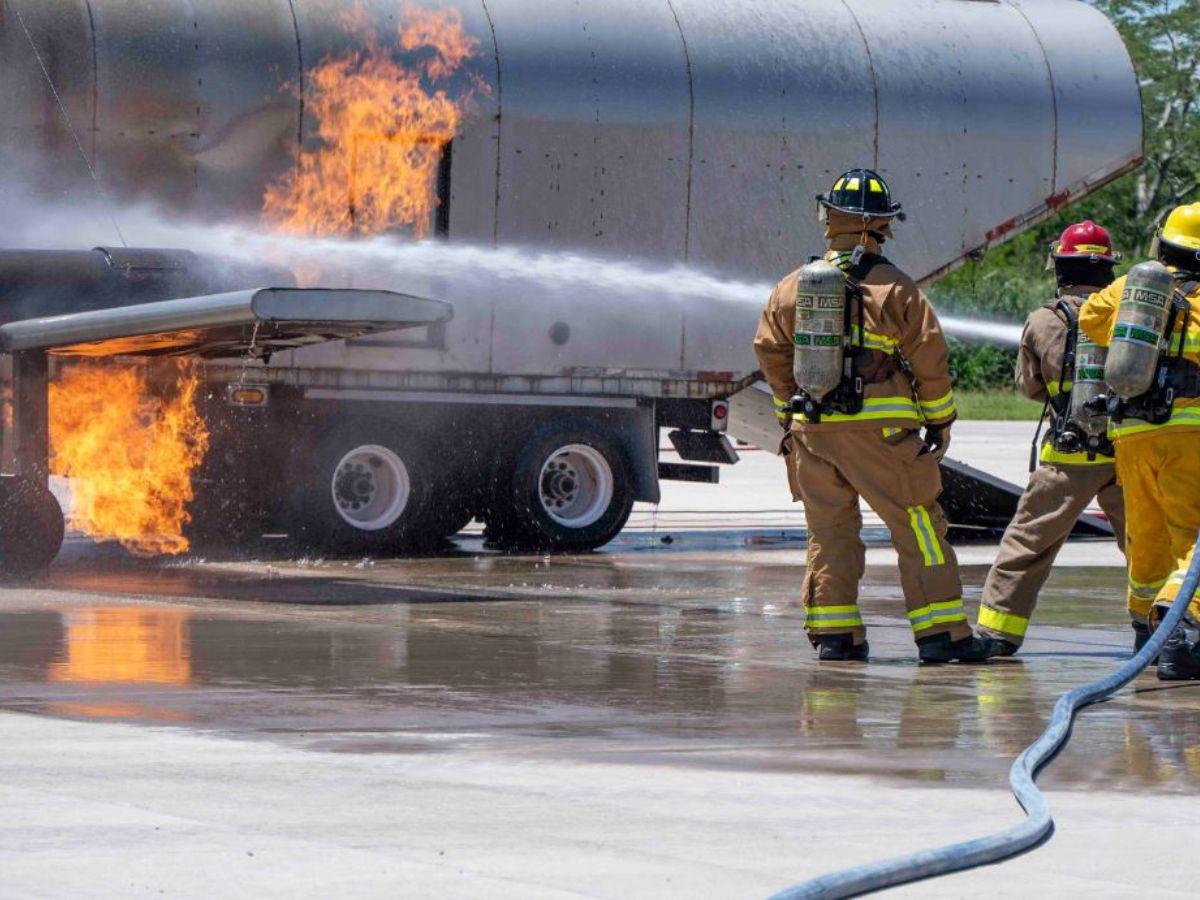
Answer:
(1060, 366)
(858, 365)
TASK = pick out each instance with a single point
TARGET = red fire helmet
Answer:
(1085, 240)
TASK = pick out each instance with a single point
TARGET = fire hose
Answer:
(1038, 824)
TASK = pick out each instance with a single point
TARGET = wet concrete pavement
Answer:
(611, 655)
(644, 721)
(619, 724)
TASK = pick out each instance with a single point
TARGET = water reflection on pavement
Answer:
(687, 660)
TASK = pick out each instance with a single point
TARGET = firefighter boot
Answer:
(841, 647)
(939, 648)
(1180, 657)
(1141, 634)
(1000, 647)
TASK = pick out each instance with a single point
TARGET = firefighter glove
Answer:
(937, 439)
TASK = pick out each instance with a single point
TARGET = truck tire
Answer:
(367, 488)
(568, 489)
(31, 526)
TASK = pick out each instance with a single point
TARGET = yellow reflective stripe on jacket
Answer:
(832, 617)
(878, 408)
(940, 408)
(1187, 417)
(1053, 390)
(872, 341)
(783, 409)
(1009, 623)
(1058, 458)
(944, 613)
(927, 539)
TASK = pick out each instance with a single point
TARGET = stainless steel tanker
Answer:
(678, 130)
(654, 132)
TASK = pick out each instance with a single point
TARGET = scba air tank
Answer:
(1141, 326)
(1089, 387)
(820, 337)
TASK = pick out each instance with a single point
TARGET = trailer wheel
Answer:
(366, 489)
(569, 489)
(31, 526)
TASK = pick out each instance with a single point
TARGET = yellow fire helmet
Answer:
(1182, 228)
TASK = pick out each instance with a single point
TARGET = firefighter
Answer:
(1150, 321)
(857, 363)
(1076, 456)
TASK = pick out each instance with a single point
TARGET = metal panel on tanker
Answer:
(37, 152)
(966, 121)
(784, 103)
(328, 30)
(191, 107)
(552, 331)
(594, 133)
(1099, 110)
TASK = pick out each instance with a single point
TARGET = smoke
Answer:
(429, 268)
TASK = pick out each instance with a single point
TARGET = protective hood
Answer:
(844, 231)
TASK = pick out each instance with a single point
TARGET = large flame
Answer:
(129, 452)
(384, 117)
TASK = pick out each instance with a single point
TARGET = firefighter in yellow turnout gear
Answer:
(1157, 436)
(1076, 458)
(885, 375)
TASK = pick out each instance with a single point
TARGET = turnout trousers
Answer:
(894, 472)
(1051, 504)
(1160, 474)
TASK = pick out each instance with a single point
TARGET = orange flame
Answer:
(384, 118)
(129, 453)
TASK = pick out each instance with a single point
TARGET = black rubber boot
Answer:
(841, 648)
(1141, 634)
(1000, 647)
(938, 648)
(1180, 657)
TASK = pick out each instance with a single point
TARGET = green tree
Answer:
(1163, 39)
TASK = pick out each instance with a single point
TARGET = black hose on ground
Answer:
(1038, 823)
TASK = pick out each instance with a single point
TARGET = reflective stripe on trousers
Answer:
(817, 617)
(927, 541)
(1009, 623)
(933, 614)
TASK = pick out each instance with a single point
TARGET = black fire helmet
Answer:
(862, 192)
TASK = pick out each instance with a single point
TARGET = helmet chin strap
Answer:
(865, 235)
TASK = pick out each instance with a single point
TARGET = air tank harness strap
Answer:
(1058, 400)
(1186, 378)
(1185, 374)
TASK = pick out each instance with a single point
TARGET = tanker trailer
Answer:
(661, 134)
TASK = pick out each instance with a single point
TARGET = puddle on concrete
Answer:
(699, 673)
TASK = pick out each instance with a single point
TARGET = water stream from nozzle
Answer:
(438, 268)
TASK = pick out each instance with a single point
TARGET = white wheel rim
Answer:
(370, 487)
(576, 486)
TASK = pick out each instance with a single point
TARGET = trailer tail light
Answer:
(247, 395)
(719, 415)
